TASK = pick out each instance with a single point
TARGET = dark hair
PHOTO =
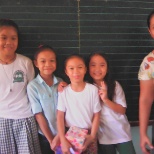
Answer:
(9, 23)
(41, 48)
(110, 82)
(73, 56)
(149, 18)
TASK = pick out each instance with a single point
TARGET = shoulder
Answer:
(117, 85)
(33, 83)
(22, 57)
(148, 58)
(91, 87)
(58, 79)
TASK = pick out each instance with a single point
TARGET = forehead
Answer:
(97, 58)
(8, 30)
(75, 61)
(46, 54)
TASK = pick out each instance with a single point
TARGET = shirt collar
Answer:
(40, 80)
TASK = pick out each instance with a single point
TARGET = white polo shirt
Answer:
(14, 78)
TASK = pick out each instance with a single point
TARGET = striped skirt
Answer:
(19, 136)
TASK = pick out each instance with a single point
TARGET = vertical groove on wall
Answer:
(79, 23)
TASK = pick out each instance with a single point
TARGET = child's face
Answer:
(97, 68)
(75, 70)
(46, 62)
(8, 40)
(151, 29)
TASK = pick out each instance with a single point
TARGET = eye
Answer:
(3, 37)
(53, 60)
(14, 38)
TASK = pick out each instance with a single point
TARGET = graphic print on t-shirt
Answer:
(18, 76)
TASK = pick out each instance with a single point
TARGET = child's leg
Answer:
(126, 148)
(45, 146)
(106, 149)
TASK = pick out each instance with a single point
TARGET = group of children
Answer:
(98, 105)
(34, 116)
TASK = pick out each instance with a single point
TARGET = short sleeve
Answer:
(33, 98)
(119, 96)
(61, 101)
(146, 71)
(30, 71)
(97, 104)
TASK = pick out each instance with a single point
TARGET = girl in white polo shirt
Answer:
(114, 131)
(18, 129)
(78, 105)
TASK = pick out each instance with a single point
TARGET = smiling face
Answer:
(151, 27)
(97, 68)
(75, 69)
(8, 40)
(46, 62)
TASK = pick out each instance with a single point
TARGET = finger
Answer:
(103, 86)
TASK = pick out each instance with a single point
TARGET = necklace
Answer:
(8, 62)
(10, 80)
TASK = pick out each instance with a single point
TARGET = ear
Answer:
(35, 63)
(152, 35)
(66, 72)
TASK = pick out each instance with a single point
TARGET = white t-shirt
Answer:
(14, 78)
(114, 127)
(79, 107)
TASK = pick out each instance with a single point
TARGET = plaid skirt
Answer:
(19, 136)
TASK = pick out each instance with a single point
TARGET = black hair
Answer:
(9, 22)
(108, 79)
(149, 18)
(73, 56)
(41, 48)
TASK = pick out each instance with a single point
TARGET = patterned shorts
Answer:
(19, 136)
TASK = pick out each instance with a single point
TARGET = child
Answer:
(78, 105)
(114, 132)
(42, 93)
(18, 129)
(146, 99)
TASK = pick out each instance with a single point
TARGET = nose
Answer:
(8, 41)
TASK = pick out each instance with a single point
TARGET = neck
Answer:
(7, 59)
(78, 86)
(48, 79)
(98, 82)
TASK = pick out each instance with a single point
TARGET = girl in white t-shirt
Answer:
(114, 131)
(78, 105)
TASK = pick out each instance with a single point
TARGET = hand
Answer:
(55, 142)
(61, 86)
(103, 91)
(66, 147)
(145, 141)
(89, 139)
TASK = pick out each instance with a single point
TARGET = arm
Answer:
(61, 130)
(95, 124)
(41, 120)
(145, 102)
(112, 105)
